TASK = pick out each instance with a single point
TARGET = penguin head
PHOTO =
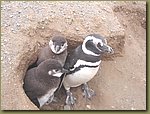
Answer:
(51, 67)
(58, 44)
(95, 44)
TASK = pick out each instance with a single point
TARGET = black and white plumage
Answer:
(41, 82)
(57, 49)
(83, 64)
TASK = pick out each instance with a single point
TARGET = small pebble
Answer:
(13, 30)
(5, 40)
(130, 36)
(18, 24)
(133, 77)
(6, 25)
(144, 79)
(144, 19)
(133, 108)
(126, 100)
(67, 107)
(134, 2)
(88, 106)
(113, 107)
(131, 17)
(6, 52)
(1, 58)
(52, 16)
(25, 7)
(122, 106)
(77, 29)
(125, 87)
(68, 17)
(133, 73)
(104, 9)
(103, 18)
(19, 12)
(11, 16)
(9, 59)
(46, 22)
(74, 13)
(127, 12)
(82, 13)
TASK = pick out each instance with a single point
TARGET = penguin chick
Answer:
(41, 82)
(83, 64)
(57, 49)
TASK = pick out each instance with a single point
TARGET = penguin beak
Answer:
(64, 70)
(109, 49)
(57, 48)
(106, 49)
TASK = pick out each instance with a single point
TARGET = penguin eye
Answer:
(99, 45)
(56, 70)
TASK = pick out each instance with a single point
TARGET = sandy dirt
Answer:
(120, 83)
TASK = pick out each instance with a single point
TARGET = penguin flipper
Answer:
(61, 81)
(71, 60)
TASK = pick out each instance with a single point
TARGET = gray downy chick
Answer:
(41, 82)
(57, 49)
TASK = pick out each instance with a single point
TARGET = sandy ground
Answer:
(119, 85)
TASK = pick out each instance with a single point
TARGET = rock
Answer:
(88, 106)
(112, 107)
(67, 107)
(77, 29)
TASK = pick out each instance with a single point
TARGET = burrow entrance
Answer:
(38, 38)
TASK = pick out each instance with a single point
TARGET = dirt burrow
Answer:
(22, 40)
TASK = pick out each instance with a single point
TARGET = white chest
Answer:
(82, 76)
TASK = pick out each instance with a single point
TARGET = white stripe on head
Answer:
(57, 74)
(54, 73)
(95, 41)
(51, 45)
(50, 72)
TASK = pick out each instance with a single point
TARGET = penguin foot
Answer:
(87, 92)
(70, 100)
